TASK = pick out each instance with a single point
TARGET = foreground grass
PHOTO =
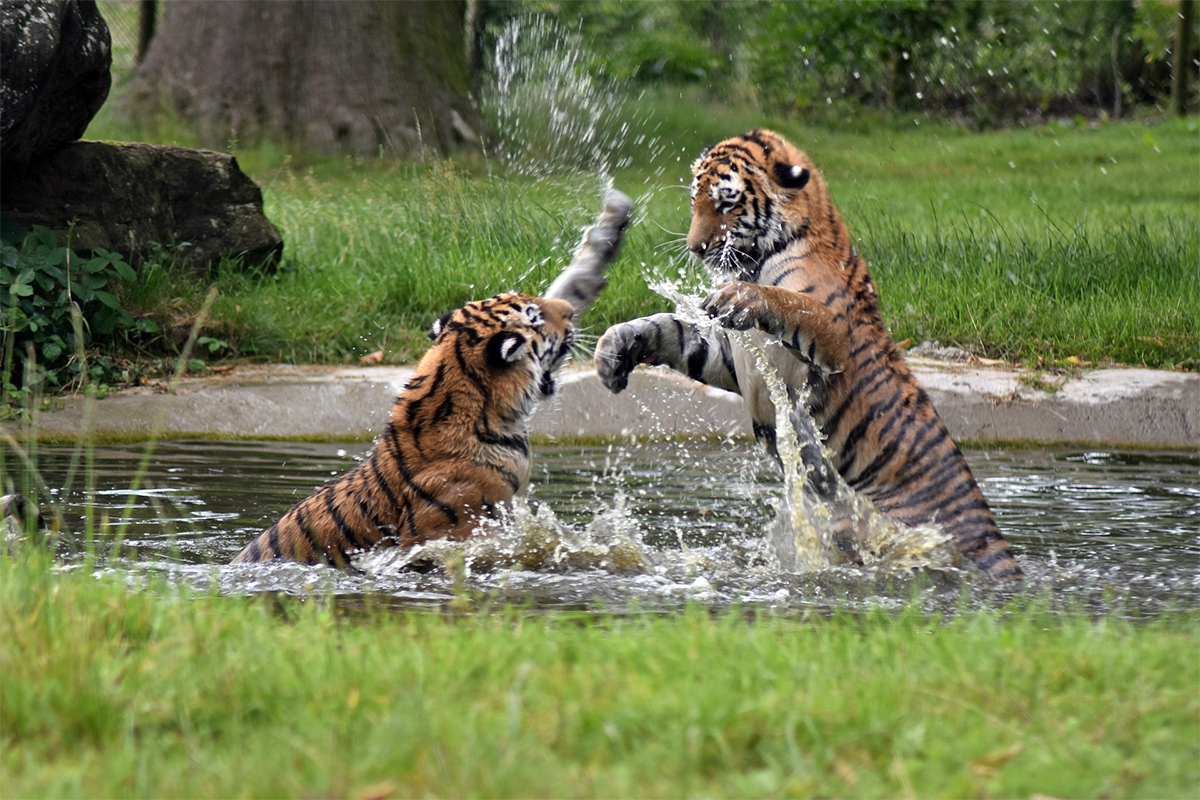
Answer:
(162, 692)
(1059, 243)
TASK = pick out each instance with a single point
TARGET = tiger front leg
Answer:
(809, 329)
(583, 280)
(701, 353)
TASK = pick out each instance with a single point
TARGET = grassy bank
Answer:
(163, 692)
(1052, 243)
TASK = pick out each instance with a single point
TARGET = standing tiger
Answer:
(765, 227)
(456, 447)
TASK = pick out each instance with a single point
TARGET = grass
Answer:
(169, 692)
(1036, 245)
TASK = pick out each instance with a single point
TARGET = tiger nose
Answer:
(555, 310)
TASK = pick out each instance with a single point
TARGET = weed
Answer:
(1042, 381)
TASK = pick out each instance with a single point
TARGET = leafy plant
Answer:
(215, 346)
(44, 287)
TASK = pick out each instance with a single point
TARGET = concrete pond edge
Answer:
(1123, 407)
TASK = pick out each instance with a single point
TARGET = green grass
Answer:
(1030, 244)
(166, 692)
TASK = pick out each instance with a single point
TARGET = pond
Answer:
(641, 526)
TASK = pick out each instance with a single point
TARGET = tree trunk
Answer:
(1182, 61)
(147, 17)
(321, 76)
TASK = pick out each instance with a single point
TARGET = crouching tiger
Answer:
(456, 447)
(765, 227)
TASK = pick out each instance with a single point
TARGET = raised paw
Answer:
(620, 349)
(741, 306)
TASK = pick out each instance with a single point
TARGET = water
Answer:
(548, 112)
(645, 525)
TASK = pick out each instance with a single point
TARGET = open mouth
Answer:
(560, 357)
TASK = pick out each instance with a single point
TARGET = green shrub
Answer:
(986, 61)
(54, 306)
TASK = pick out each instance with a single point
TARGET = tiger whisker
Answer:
(680, 234)
(672, 243)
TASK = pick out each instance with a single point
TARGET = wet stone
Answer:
(55, 57)
(138, 199)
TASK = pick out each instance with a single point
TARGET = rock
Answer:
(55, 57)
(54, 75)
(936, 352)
(128, 197)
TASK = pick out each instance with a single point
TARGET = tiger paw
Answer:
(741, 306)
(620, 349)
(583, 280)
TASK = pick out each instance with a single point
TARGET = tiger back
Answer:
(765, 227)
(456, 446)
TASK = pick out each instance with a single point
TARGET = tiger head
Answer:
(751, 195)
(510, 345)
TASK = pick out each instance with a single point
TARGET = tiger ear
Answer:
(791, 176)
(506, 348)
(439, 325)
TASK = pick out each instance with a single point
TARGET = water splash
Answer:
(802, 534)
(527, 537)
(551, 112)
(819, 521)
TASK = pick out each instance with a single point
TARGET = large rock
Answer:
(128, 197)
(54, 75)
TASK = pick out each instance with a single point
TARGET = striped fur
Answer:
(766, 228)
(457, 445)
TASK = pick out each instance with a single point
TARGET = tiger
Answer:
(786, 271)
(456, 448)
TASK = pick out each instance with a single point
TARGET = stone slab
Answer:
(1125, 407)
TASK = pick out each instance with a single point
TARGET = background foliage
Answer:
(987, 61)
(983, 60)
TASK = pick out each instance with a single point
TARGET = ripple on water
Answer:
(642, 525)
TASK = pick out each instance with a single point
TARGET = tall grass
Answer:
(1123, 294)
(166, 692)
(1027, 244)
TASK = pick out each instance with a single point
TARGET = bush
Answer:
(54, 306)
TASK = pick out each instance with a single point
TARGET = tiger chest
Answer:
(765, 369)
